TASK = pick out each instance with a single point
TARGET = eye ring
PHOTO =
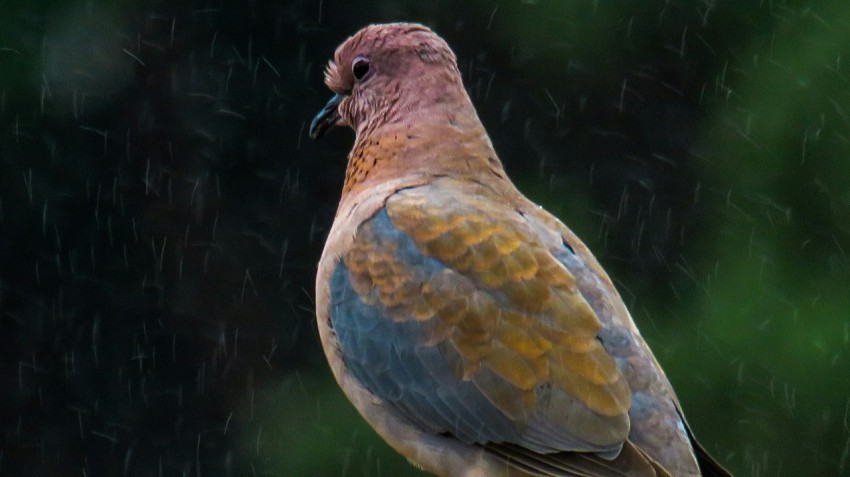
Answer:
(360, 67)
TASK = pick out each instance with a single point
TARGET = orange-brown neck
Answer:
(441, 138)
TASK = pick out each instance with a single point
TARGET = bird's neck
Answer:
(437, 140)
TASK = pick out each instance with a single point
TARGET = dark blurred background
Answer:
(162, 212)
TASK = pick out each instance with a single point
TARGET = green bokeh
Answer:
(308, 427)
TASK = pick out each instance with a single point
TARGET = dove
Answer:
(470, 327)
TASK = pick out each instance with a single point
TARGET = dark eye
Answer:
(360, 67)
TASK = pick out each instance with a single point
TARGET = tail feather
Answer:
(630, 462)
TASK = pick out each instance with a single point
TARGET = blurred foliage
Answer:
(161, 214)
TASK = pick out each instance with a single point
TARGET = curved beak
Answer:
(327, 117)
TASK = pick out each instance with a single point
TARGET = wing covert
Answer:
(451, 311)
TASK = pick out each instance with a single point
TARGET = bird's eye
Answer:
(360, 68)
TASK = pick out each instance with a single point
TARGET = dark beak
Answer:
(327, 117)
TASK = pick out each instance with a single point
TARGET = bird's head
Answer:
(385, 73)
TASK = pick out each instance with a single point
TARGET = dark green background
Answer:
(162, 212)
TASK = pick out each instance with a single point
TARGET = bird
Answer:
(471, 328)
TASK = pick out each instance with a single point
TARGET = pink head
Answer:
(383, 73)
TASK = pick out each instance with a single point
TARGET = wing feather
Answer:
(455, 315)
